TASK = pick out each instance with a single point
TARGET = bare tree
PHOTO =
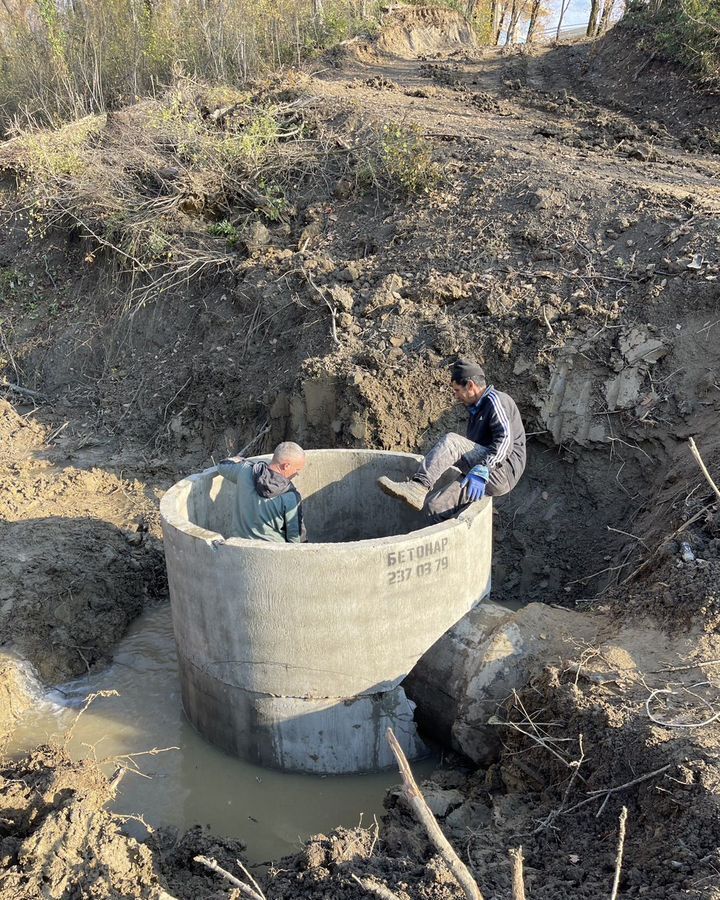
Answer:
(516, 11)
(495, 8)
(607, 12)
(592, 27)
(503, 7)
(564, 4)
(536, 11)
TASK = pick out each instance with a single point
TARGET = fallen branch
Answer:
(518, 885)
(576, 763)
(595, 795)
(23, 391)
(646, 63)
(376, 887)
(422, 811)
(703, 467)
(549, 327)
(244, 889)
(685, 525)
(619, 856)
(261, 434)
(544, 742)
(248, 875)
(88, 700)
(653, 555)
(697, 665)
(333, 310)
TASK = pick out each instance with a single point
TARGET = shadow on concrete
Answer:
(338, 506)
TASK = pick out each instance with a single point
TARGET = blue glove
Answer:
(475, 482)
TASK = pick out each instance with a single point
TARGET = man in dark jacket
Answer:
(491, 457)
(268, 507)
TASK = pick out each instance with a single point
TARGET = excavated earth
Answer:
(572, 246)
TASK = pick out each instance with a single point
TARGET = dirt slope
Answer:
(571, 245)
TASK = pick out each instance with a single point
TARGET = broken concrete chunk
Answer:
(637, 346)
(623, 391)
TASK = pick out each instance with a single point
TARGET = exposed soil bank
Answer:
(572, 246)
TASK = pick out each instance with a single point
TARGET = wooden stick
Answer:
(703, 467)
(596, 795)
(653, 555)
(24, 392)
(518, 885)
(619, 856)
(377, 888)
(424, 815)
(244, 889)
(684, 526)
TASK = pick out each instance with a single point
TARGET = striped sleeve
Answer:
(501, 443)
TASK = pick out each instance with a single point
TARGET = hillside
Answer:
(302, 258)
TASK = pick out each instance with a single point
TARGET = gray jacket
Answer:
(267, 506)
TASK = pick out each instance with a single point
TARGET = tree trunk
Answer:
(534, 16)
(318, 10)
(563, 9)
(502, 13)
(594, 17)
(518, 7)
(605, 18)
(494, 15)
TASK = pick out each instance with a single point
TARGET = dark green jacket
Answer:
(267, 507)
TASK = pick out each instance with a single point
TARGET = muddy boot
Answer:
(412, 492)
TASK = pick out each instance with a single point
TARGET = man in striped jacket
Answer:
(491, 458)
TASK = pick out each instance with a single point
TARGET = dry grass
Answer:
(168, 189)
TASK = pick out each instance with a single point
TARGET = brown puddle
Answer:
(272, 812)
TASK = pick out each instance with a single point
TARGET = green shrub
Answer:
(686, 31)
(400, 161)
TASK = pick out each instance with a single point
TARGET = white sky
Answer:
(577, 13)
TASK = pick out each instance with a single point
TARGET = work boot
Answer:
(412, 492)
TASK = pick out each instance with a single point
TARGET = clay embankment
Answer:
(582, 270)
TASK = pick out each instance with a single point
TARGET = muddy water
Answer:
(196, 783)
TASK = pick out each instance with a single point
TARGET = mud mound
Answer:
(14, 696)
(57, 841)
(17, 435)
(190, 880)
(70, 588)
(329, 864)
(416, 31)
